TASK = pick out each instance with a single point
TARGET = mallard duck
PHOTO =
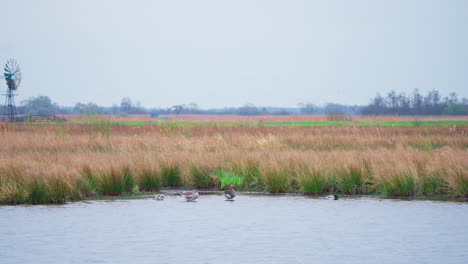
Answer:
(332, 197)
(230, 194)
(190, 196)
(159, 197)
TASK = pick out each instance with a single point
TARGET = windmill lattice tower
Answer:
(12, 76)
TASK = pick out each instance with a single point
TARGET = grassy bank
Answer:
(58, 163)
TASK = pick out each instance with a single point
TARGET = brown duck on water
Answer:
(230, 194)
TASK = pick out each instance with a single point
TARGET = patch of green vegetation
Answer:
(171, 175)
(128, 180)
(277, 180)
(58, 191)
(201, 176)
(111, 182)
(13, 187)
(116, 182)
(460, 186)
(37, 191)
(433, 184)
(250, 173)
(400, 185)
(228, 178)
(313, 182)
(89, 185)
(352, 180)
(12, 193)
(149, 180)
(54, 191)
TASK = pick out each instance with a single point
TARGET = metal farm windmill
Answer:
(12, 76)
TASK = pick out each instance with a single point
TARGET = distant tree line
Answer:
(433, 103)
(40, 105)
(416, 104)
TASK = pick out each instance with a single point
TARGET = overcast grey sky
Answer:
(227, 53)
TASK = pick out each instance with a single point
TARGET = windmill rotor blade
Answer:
(12, 74)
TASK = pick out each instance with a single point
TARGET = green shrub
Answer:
(12, 193)
(171, 175)
(75, 189)
(277, 180)
(129, 180)
(312, 182)
(352, 180)
(399, 185)
(112, 183)
(89, 185)
(201, 176)
(37, 192)
(236, 180)
(250, 174)
(58, 191)
(433, 183)
(228, 178)
(150, 180)
(460, 183)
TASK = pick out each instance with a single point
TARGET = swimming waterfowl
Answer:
(230, 194)
(159, 197)
(332, 197)
(190, 196)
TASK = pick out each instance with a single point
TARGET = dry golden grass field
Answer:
(55, 163)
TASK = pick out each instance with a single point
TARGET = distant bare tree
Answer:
(126, 105)
(176, 109)
(307, 108)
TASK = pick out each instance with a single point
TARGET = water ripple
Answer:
(252, 229)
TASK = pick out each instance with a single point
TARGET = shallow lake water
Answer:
(251, 229)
